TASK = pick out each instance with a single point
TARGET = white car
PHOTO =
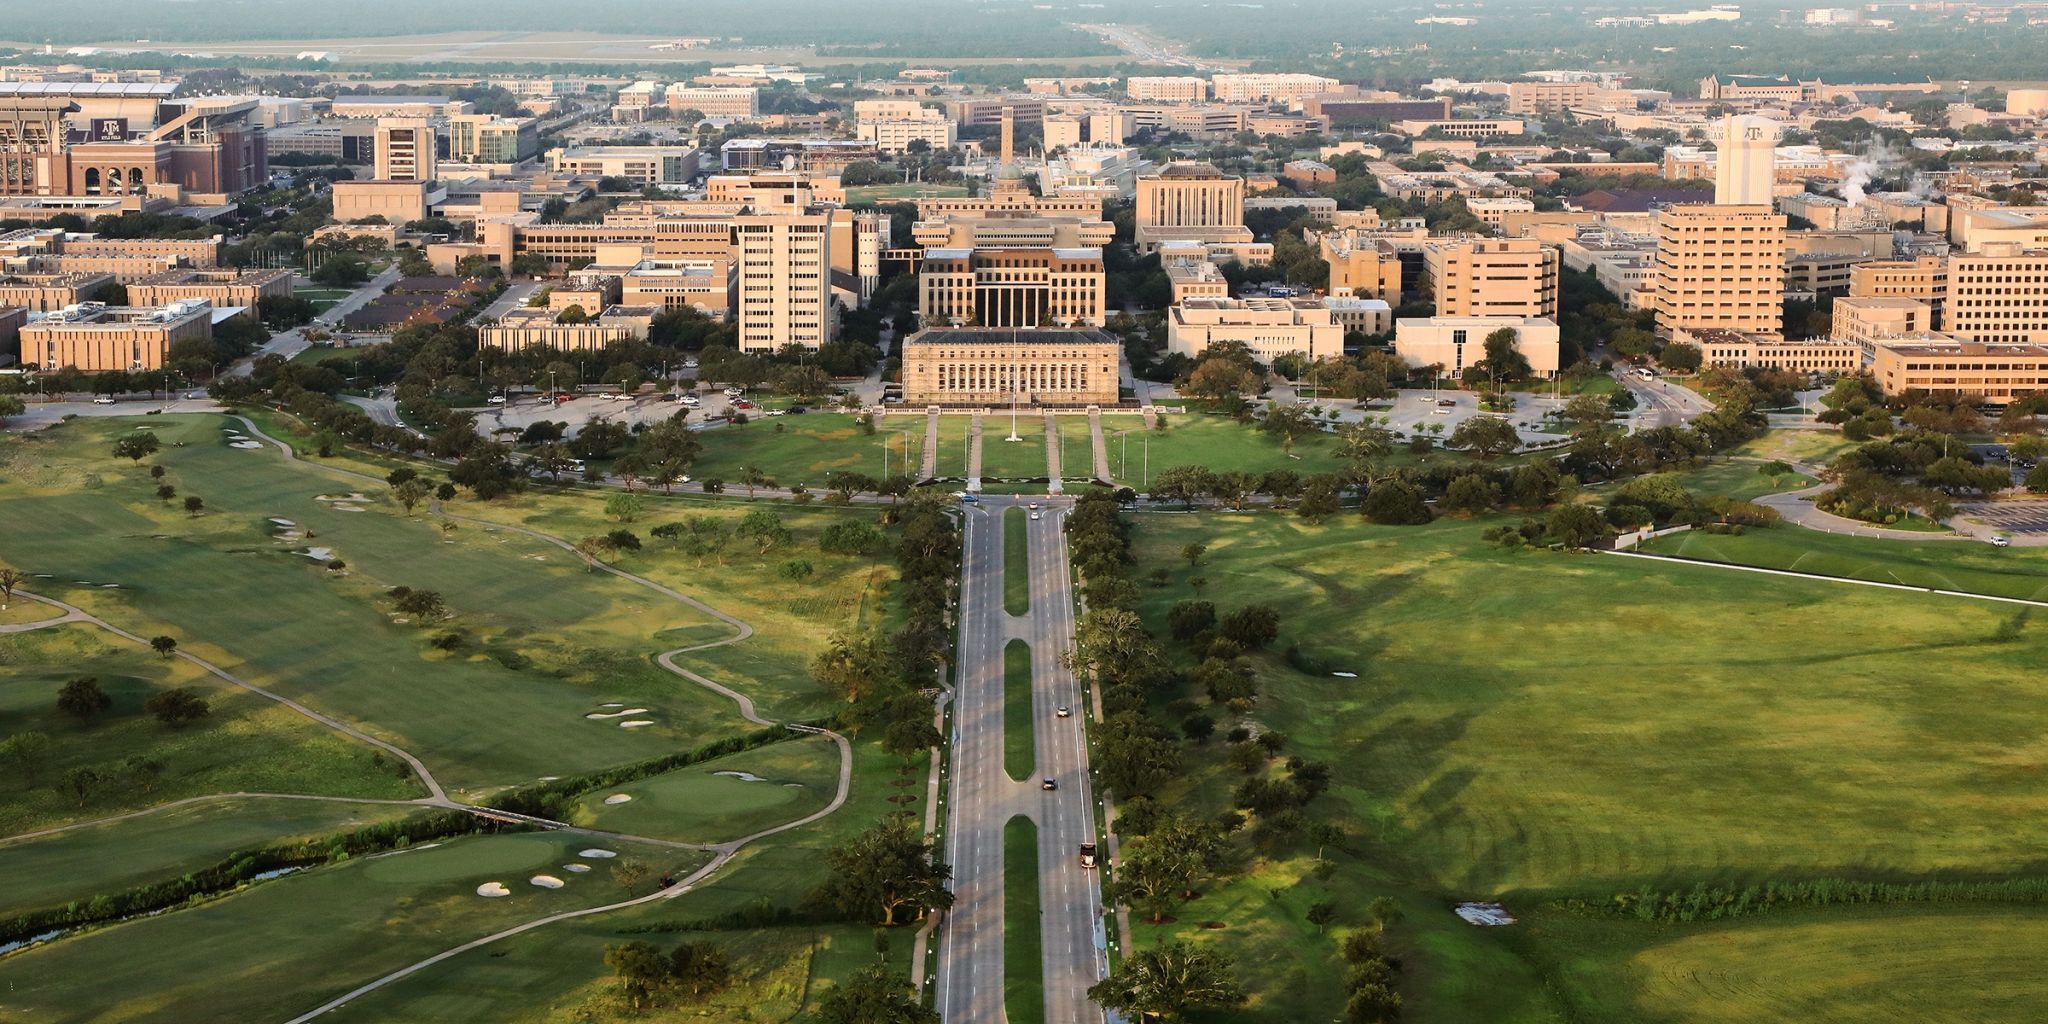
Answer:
(733, 392)
(2001, 542)
(103, 400)
(1065, 712)
(497, 399)
(691, 401)
(775, 412)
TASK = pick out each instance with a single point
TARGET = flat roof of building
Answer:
(138, 90)
(1019, 336)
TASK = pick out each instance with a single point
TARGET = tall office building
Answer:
(490, 139)
(1998, 295)
(405, 149)
(1747, 165)
(1190, 202)
(1721, 266)
(784, 268)
(1493, 276)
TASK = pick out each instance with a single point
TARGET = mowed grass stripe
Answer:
(1023, 940)
(1020, 753)
(1016, 562)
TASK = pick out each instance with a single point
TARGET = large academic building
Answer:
(979, 366)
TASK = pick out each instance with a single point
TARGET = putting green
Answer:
(721, 799)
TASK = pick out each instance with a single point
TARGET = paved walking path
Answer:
(1096, 443)
(1052, 455)
(974, 454)
(1734, 567)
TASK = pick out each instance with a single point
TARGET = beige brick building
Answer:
(222, 288)
(1924, 278)
(783, 269)
(1946, 366)
(1550, 97)
(1998, 295)
(42, 293)
(1190, 202)
(1269, 328)
(1720, 268)
(992, 287)
(973, 366)
(94, 338)
(525, 328)
(1493, 276)
(1818, 355)
(1361, 265)
(1456, 342)
(1866, 321)
(1166, 89)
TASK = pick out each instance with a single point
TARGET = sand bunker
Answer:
(318, 554)
(350, 508)
(546, 881)
(576, 869)
(1485, 915)
(742, 776)
(614, 704)
(596, 854)
(1345, 675)
(617, 798)
(282, 522)
(638, 723)
(493, 889)
(616, 714)
(350, 496)
(244, 444)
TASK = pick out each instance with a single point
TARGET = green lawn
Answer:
(1020, 751)
(1016, 562)
(556, 975)
(117, 855)
(323, 299)
(245, 743)
(1530, 724)
(1945, 565)
(804, 449)
(1023, 956)
(716, 801)
(1813, 447)
(251, 956)
(1219, 443)
(1967, 965)
(1003, 459)
(543, 640)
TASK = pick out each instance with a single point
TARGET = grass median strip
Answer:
(1019, 755)
(1016, 563)
(1023, 956)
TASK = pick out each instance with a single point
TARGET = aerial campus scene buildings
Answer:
(995, 512)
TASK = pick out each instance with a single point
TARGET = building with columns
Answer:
(1190, 202)
(1043, 367)
(992, 287)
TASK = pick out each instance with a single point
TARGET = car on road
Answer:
(1034, 517)
(733, 392)
(1064, 711)
(1033, 506)
(775, 412)
(2001, 542)
(1049, 784)
(967, 499)
(1087, 855)
(497, 399)
(797, 410)
(1446, 403)
(742, 404)
(102, 400)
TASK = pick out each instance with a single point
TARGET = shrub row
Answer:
(551, 799)
(239, 868)
(1705, 902)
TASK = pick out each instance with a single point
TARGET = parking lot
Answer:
(2028, 516)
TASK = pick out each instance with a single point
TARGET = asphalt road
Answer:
(984, 798)
(1662, 403)
(292, 342)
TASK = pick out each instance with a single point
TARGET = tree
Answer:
(574, 313)
(1575, 525)
(10, 406)
(165, 492)
(1385, 912)
(641, 969)
(1187, 620)
(26, 752)
(341, 270)
(145, 771)
(1488, 437)
(629, 873)
(1220, 380)
(853, 664)
(1321, 913)
(1504, 360)
(1319, 499)
(1471, 493)
(80, 783)
(410, 493)
(1251, 627)
(2037, 478)
(10, 578)
(891, 867)
(137, 447)
(1395, 503)
(1680, 356)
(163, 645)
(624, 508)
(178, 708)
(82, 698)
(765, 529)
(875, 995)
(1165, 982)
(424, 605)
(701, 967)
(1588, 410)
(1193, 552)
(194, 503)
